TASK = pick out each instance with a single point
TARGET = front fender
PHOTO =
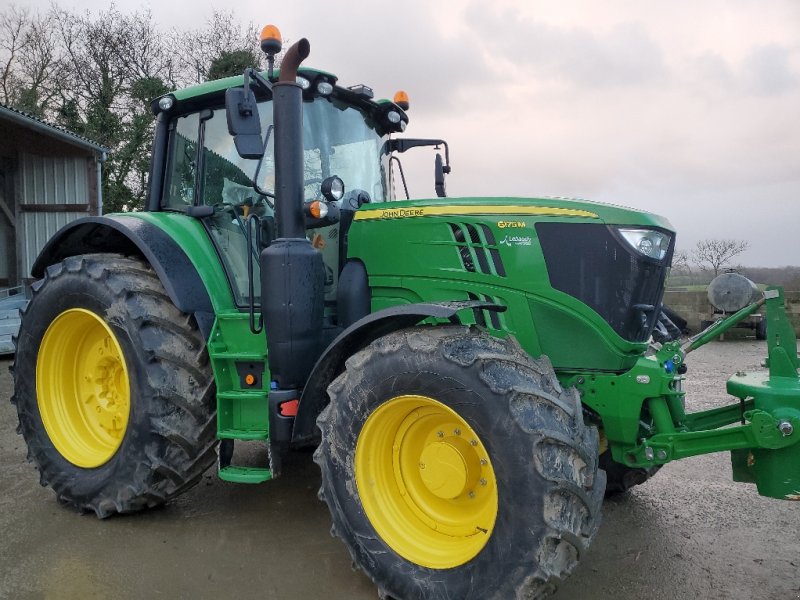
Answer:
(359, 335)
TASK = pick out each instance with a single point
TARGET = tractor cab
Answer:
(344, 135)
(347, 136)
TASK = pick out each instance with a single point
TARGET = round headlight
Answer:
(166, 102)
(393, 116)
(324, 88)
(332, 188)
(304, 83)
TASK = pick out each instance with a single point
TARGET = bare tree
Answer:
(96, 74)
(681, 262)
(28, 55)
(13, 33)
(221, 36)
(114, 64)
(716, 254)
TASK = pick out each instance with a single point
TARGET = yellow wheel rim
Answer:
(82, 388)
(426, 482)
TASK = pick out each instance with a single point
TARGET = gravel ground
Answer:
(689, 533)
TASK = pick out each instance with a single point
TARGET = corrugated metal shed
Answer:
(54, 191)
(48, 177)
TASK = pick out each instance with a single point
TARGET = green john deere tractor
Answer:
(474, 372)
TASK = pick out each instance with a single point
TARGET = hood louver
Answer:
(477, 248)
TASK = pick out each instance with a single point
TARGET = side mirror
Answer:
(244, 123)
(438, 177)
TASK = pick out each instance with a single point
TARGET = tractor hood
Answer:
(583, 281)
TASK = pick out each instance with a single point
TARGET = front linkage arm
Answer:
(765, 448)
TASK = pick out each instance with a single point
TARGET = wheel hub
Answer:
(426, 482)
(82, 388)
(449, 468)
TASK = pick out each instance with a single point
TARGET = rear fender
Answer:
(132, 236)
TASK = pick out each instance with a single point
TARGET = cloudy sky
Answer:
(690, 109)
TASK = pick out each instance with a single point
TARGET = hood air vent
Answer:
(477, 248)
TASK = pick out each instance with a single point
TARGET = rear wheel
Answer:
(455, 466)
(113, 387)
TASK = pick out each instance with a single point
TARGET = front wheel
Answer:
(761, 329)
(455, 466)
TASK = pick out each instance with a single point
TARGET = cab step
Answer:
(236, 474)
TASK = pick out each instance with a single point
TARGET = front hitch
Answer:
(762, 431)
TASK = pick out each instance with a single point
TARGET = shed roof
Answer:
(26, 120)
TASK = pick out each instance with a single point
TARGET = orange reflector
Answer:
(401, 99)
(288, 408)
(249, 379)
(315, 209)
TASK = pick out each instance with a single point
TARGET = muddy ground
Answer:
(689, 533)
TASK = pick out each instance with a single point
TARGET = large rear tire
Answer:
(113, 387)
(455, 466)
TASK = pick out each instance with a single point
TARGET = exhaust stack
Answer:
(292, 272)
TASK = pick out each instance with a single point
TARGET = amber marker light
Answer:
(317, 209)
(401, 99)
(271, 39)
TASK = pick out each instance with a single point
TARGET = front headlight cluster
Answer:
(649, 242)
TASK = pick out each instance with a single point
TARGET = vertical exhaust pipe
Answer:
(292, 272)
(287, 106)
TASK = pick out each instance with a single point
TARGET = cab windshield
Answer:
(338, 139)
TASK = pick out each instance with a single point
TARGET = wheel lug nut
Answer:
(483, 481)
(484, 462)
(471, 494)
(457, 431)
(440, 434)
(474, 442)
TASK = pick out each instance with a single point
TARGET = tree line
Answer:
(96, 73)
(710, 257)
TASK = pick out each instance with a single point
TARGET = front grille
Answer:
(589, 262)
(477, 248)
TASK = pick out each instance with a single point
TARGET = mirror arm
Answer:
(262, 82)
(403, 144)
(402, 175)
(246, 108)
(257, 187)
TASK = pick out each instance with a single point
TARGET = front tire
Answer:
(621, 478)
(113, 387)
(761, 329)
(455, 466)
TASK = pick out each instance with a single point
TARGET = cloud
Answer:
(408, 46)
(622, 55)
(769, 70)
